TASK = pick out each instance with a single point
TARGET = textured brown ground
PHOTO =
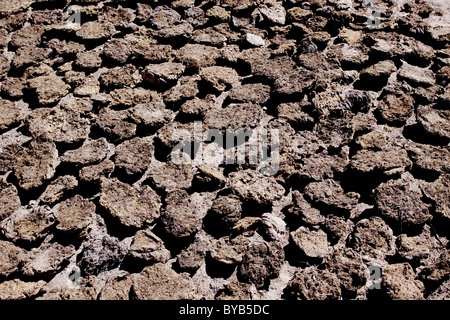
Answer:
(92, 207)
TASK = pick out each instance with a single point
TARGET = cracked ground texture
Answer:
(93, 94)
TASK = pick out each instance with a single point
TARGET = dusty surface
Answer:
(92, 206)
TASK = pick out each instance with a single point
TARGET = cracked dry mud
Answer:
(93, 207)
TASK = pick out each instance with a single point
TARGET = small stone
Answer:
(230, 53)
(27, 36)
(171, 177)
(163, 16)
(439, 193)
(416, 247)
(49, 89)
(193, 257)
(349, 267)
(295, 114)
(180, 219)
(160, 282)
(174, 133)
(254, 40)
(303, 209)
(153, 53)
(366, 160)
(74, 78)
(80, 105)
(114, 123)
(435, 122)
(63, 47)
(197, 108)
(376, 76)
(186, 88)
(183, 4)
(132, 207)
(10, 258)
(198, 55)
(261, 262)
(234, 117)
(36, 165)
(228, 251)
(75, 215)
(30, 223)
(272, 68)
(94, 30)
(9, 199)
(3, 38)
(429, 157)
(58, 125)
(28, 56)
(17, 289)
(437, 267)
(246, 225)
(8, 154)
(400, 284)
(151, 115)
(89, 87)
(58, 188)
(373, 239)
(177, 32)
(119, 77)
(48, 259)
(13, 88)
(337, 227)
(134, 156)
(416, 76)
(298, 14)
(276, 14)
(313, 284)
(256, 93)
(294, 83)
(321, 166)
(90, 152)
(335, 130)
(148, 247)
(132, 97)
(219, 78)
(238, 5)
(100, 252)
(400, 200)
(225, 212)
(218, 13)
(352, 37)
(313, 244)
(396, 109)
(117, 289)
(254, 187)
(350, 57)
(5, 65)
(275, 229)
(330, 193)
(163, 73)
(95, 172)
(14, 6)
(372, 140)
(119, 17)
(209, 36)
(195, 16)
(89, 60)
(117, 50)
(443, 76)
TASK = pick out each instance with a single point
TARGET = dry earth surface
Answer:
(92, 206)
